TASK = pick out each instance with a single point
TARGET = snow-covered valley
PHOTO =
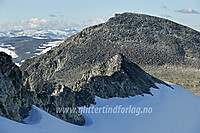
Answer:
(22, 48)
(25, 44)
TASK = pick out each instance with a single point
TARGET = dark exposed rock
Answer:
(118, 77)
(62, 97)
(16, 100)
(13, 102)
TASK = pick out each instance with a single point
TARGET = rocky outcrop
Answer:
(16, 100)
(58, 97)
(117, 77)
(13, 97)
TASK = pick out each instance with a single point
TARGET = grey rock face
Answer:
(62, 98)
(16, 100)
(13, 104)
(88, 64)
(117, 77)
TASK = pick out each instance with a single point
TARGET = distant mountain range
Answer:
(55, 34)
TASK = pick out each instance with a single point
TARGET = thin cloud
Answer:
(188, 11)
(49, 23)
(89, 22)
(166, 16)
(34, 24)
(96, 21)
(165, 7)
(52, 15)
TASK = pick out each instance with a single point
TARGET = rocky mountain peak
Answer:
(88, 64)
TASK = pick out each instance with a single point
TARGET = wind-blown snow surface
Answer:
(174, 111)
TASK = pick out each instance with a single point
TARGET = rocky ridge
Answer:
(117, 77)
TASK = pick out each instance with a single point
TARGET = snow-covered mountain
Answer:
(55, 34)
(171, 111)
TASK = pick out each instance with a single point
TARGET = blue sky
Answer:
(87, 12)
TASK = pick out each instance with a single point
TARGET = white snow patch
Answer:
(47, 46)
(37, 37)
(12, 48)
(17, 64)
(9, 52)
(41, 47)
(8, 45)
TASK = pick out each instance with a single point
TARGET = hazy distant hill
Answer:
(55, 34)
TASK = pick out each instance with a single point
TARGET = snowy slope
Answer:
(173, 111)
(43, 48)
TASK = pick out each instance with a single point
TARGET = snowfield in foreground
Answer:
(173, 111)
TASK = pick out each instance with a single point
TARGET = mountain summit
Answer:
(87, 64)
(145, 40)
